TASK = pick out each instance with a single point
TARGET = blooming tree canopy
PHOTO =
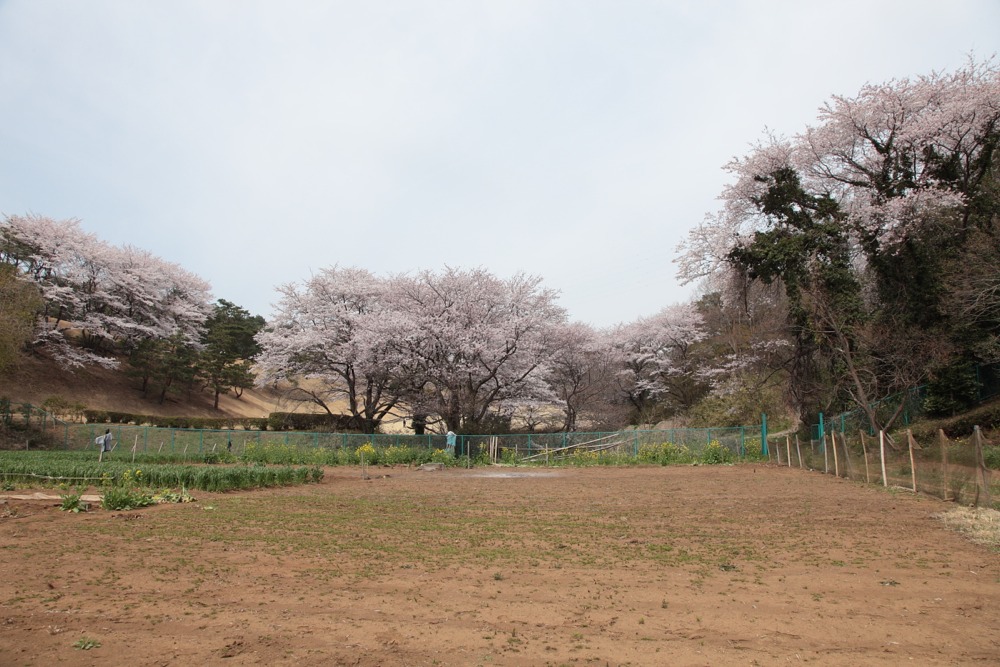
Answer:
(469, 341)
(454, 345)
(860, 217)
(115, 296)
(657, 361)
(894, 157)
(325, 341)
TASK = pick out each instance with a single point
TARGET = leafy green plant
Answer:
(122, 498)
(168, 496)
(86, 643)
(71, 502)
(715, 453)
(664, 453)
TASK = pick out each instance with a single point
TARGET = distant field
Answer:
(687, 565)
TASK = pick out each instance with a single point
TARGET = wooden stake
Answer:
(788, 450)
(943, 439)
(864, 449)
(826, 456)
(913, 465)
(983, 498)
(881, 453)
(798, 449)
(836, 459)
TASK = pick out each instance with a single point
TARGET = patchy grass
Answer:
(981, 525)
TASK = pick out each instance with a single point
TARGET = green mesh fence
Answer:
(192, 444)
(857, 420)
(26, 414)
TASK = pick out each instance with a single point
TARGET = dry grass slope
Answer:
(37, 378)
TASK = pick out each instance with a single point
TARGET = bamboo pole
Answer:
(864, 449)
(798, 449)
(788, 450)
(943, 440)
(777, 453)
(913, 464)
(881, 453)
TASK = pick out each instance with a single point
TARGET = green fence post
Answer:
(763, 436)
(822, 432)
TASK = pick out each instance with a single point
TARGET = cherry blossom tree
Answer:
(859, 216)
(894, 157)
(468, 343)
(325, 343)
(114, 297)
(659, 369)
(580, 372)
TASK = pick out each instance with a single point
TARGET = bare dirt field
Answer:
(737, 565)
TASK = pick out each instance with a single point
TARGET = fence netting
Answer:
(951, 469)
(731, 442)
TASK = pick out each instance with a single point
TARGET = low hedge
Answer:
(305, 421)
(217, 423)
(276, 421)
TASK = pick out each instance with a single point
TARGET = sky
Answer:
(255, 143)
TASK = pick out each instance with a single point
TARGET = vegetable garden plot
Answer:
(645, 565)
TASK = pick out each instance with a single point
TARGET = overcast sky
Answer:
(256, 142)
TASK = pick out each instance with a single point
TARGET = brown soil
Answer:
(742, 565)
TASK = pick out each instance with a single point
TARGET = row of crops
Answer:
(270, 465)
(78, 469)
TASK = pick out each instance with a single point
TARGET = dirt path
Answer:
(745, 565)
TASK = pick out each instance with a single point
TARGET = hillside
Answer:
(38, 378)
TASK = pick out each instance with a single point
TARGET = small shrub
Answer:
(168, 496)
(443, 456)
(71, 502)
(121, 498)
(664, 453)
(369, 453)
(715, 453)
